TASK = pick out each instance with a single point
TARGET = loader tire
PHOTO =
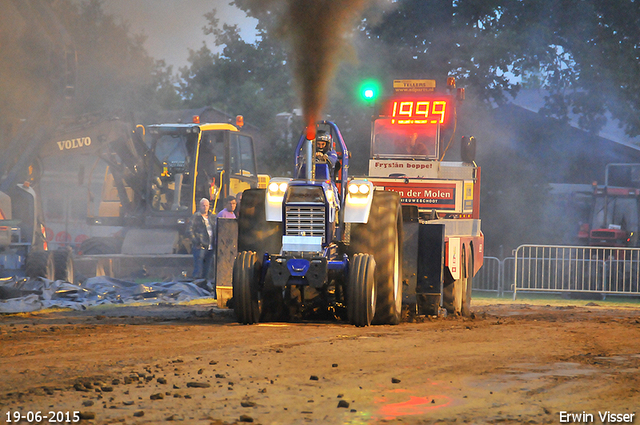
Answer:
(255, 233)
(40, 264)
(246, 273)
(64, 268)
(382, 238)
(101, 245)
(361, 290)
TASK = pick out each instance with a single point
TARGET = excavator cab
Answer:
(183, 164)
(198, 161)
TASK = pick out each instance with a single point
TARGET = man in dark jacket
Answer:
(202, 232)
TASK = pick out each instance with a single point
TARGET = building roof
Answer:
(534, 99)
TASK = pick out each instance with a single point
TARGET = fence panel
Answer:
(557, 268)
(489, 277)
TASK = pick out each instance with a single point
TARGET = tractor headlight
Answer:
(275, 195)
(359, 188)
(359, 199)
(277, 189)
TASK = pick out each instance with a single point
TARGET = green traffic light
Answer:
(369, 90)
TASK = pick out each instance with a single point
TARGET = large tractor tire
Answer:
(100, 245)
(64, 268)
(40, 264)
(246, 274)
(257, 234)
(361, 290)
(382, 238)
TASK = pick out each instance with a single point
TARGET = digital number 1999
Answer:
(52, 417)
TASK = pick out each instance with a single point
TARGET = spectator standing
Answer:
(229, 207)
(202, 232)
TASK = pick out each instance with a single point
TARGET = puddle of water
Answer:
(528, 371)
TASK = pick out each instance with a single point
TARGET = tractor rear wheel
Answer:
(361, 290)
(64, 268)
(40, 264)
(257, 234)
(246, 274)
(382, 237)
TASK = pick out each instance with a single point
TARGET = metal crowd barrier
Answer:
(558, 268)
(493, 275)
(490, 277)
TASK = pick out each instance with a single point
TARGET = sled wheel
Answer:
(361, 290)
(466, 300)
(246, 273)
(458, 294)
(40, 264)
(459, 289)
(382, 237)
(64, 268)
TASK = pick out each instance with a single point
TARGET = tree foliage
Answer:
(244, 78)
(113, 72)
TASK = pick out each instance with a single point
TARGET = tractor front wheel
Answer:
(382, 238)
(361, 290)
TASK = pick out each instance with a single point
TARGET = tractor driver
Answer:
(324, 150)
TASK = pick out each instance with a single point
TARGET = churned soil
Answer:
(513, 362)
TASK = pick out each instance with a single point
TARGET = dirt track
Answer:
(512, 363)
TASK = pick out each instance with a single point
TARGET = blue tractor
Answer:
(319, 243)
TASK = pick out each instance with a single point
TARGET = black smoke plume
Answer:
(317, 32)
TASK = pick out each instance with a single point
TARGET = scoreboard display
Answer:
(417, 110)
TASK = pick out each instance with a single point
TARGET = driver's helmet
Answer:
(323, 141)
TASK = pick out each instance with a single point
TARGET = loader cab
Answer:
(615, 217)
(195, 161)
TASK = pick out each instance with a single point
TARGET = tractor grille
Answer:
(305, 221)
